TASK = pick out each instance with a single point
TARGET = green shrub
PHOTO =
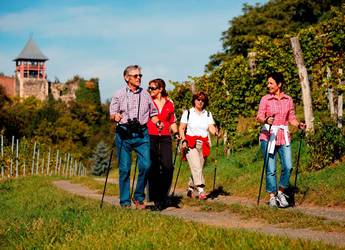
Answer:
(326, 145)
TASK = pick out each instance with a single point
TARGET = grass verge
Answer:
(281, 217)
(34, 214)
(240, 173)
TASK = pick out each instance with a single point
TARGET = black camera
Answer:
(133, 126)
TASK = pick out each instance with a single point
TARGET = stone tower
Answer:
(31, 78)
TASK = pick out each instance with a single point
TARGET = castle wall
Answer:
(39, 88)
(64, 92)
(9, 85)
(33, 87)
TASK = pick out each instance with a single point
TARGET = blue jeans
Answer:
(286, 163)
(140, 143)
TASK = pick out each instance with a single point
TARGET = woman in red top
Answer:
(162, 169)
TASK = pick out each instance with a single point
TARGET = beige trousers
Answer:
(196, 164)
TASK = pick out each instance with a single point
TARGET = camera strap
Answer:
(140, 90)
(139, 105)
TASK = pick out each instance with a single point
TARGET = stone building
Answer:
(64, 91)
(31, 78)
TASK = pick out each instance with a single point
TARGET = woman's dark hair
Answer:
(278, 77)
(200, 95)
(160, 84)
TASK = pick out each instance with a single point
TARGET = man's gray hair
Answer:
(129, 68)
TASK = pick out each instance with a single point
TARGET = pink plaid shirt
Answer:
(283, 111)
(126, 102)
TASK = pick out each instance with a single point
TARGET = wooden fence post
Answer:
(33, 160)
(71, 167)
(60, 159)
(38, 160)
(2, 157)
(24, 170)
(48, 162)
(17, 152)
(75, 167)
(67, 164)
(25, 150)
(303, 76)
(63, 165)
(12, 149)
(42, 165)
(56, 161)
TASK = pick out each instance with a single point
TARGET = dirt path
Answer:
(337, 214)
(222, 219)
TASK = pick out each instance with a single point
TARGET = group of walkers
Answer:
(146, 123)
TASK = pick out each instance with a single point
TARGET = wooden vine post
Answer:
(340, 102)
(303, 76)
(330, 94)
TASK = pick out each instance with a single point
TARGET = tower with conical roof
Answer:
(30, 63)
(31, 72)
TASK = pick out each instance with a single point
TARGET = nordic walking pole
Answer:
(106, 178)
(215, 166)
(178, 173)
(176, 151)
(298, 156)
(135, 173)
(265, 162)
(175, 156)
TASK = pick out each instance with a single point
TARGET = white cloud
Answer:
(100, 21)
(100, 41)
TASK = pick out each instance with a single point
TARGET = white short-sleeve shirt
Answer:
(197, 124)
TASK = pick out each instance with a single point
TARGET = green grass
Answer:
(325, 187)
(240, 174)
(35, 215)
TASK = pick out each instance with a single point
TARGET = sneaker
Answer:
(202, 196)
(272, 202)
(139, 205)
(159, 206)
(190, 193)
(281, 200)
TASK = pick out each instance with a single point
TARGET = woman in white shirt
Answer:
(195, 125)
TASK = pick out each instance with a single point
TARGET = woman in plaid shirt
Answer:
(276, 109)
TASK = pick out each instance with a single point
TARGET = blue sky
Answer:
(169, 39)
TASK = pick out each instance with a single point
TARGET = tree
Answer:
(100, 159)
(272, 20)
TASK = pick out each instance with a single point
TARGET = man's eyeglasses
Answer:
(152, 88)
(136, 75)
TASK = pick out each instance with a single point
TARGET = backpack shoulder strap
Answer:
(188, 113)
